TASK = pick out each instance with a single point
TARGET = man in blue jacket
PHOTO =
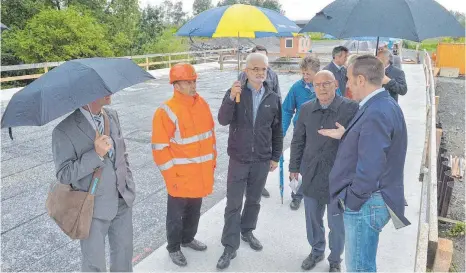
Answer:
(366, 181)
(302, 91)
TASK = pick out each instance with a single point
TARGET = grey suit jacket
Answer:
(397, 85)
(340, 76)
(75, 160)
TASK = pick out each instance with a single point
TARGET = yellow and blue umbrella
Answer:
(243, 21)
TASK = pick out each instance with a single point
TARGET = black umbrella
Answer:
(414, 20)
(68, 87)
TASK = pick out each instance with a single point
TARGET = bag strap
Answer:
(98, 172)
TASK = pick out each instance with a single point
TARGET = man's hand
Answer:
(333, 133)
(385, 79)
(102, 145)
(294, 176)
(273, 165)
(235, 89)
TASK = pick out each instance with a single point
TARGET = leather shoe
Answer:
(225, 259)
(265, 193)
(295, 203)
(253, 242)
(178, 258)
(335, 267)
(196, 245)
(310, 262)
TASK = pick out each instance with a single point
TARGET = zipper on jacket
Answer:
(254, 121)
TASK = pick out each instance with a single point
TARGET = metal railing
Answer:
(427, 239)
(217, 55)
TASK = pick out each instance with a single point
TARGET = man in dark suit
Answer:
(312, 155)
(366, 181)
(337, 67)
(394, 81)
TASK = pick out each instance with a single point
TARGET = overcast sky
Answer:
(306, 9)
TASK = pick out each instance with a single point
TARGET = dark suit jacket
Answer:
(340, 76)
(313, 154)
(371, 158)
(397, 85)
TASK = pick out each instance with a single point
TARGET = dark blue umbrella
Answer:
(414, 20)
(68, 87)
(3, 27)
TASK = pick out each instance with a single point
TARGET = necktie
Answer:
(100, 126)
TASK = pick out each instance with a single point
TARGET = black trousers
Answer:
(249, 177)
(182, 221)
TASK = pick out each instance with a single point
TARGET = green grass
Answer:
(431, 44)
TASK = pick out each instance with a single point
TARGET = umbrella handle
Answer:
(237, 98)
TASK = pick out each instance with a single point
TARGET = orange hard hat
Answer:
(182, 72)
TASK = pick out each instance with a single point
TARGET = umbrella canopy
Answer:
(414, 20)
(244, 21)
(3, 27)
(68, 87)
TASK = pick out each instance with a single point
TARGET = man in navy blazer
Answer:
(366, 181)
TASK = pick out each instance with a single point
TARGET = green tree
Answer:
(269, 4)
(16, 13)
(58, 35)
(201, 5)
(166, 43)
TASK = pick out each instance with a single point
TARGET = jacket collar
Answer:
(333, 106)
(185, 99)
(265, 86)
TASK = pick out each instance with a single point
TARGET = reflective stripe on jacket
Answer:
(183, 145)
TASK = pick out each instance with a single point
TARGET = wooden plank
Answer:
(18, 78)
(53, 64)
(29, 66)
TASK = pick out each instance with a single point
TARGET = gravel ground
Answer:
(451, 114)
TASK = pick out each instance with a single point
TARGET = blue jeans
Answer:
(362, 230)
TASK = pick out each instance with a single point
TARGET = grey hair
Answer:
(370, 68)
(384, 52)
(310, 62)
(338, 50)
(257, 57)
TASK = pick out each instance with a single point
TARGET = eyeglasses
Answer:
(257, 69)
(324, 85)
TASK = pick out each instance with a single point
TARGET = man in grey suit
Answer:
(77, 152)
(394, 81)
(337, 67)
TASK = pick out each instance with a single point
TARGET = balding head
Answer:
(325, 86)
(325, 74)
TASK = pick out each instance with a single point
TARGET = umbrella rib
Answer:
(348, 18)
(106, 86)
(414, 22)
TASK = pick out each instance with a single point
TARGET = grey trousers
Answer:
(316, 232)
(249, 177)
(120, 237)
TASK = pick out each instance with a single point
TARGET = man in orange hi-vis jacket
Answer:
(183, 146)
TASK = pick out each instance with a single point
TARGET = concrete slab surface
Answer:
(282, 231)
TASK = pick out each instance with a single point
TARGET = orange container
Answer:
(451, 55)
